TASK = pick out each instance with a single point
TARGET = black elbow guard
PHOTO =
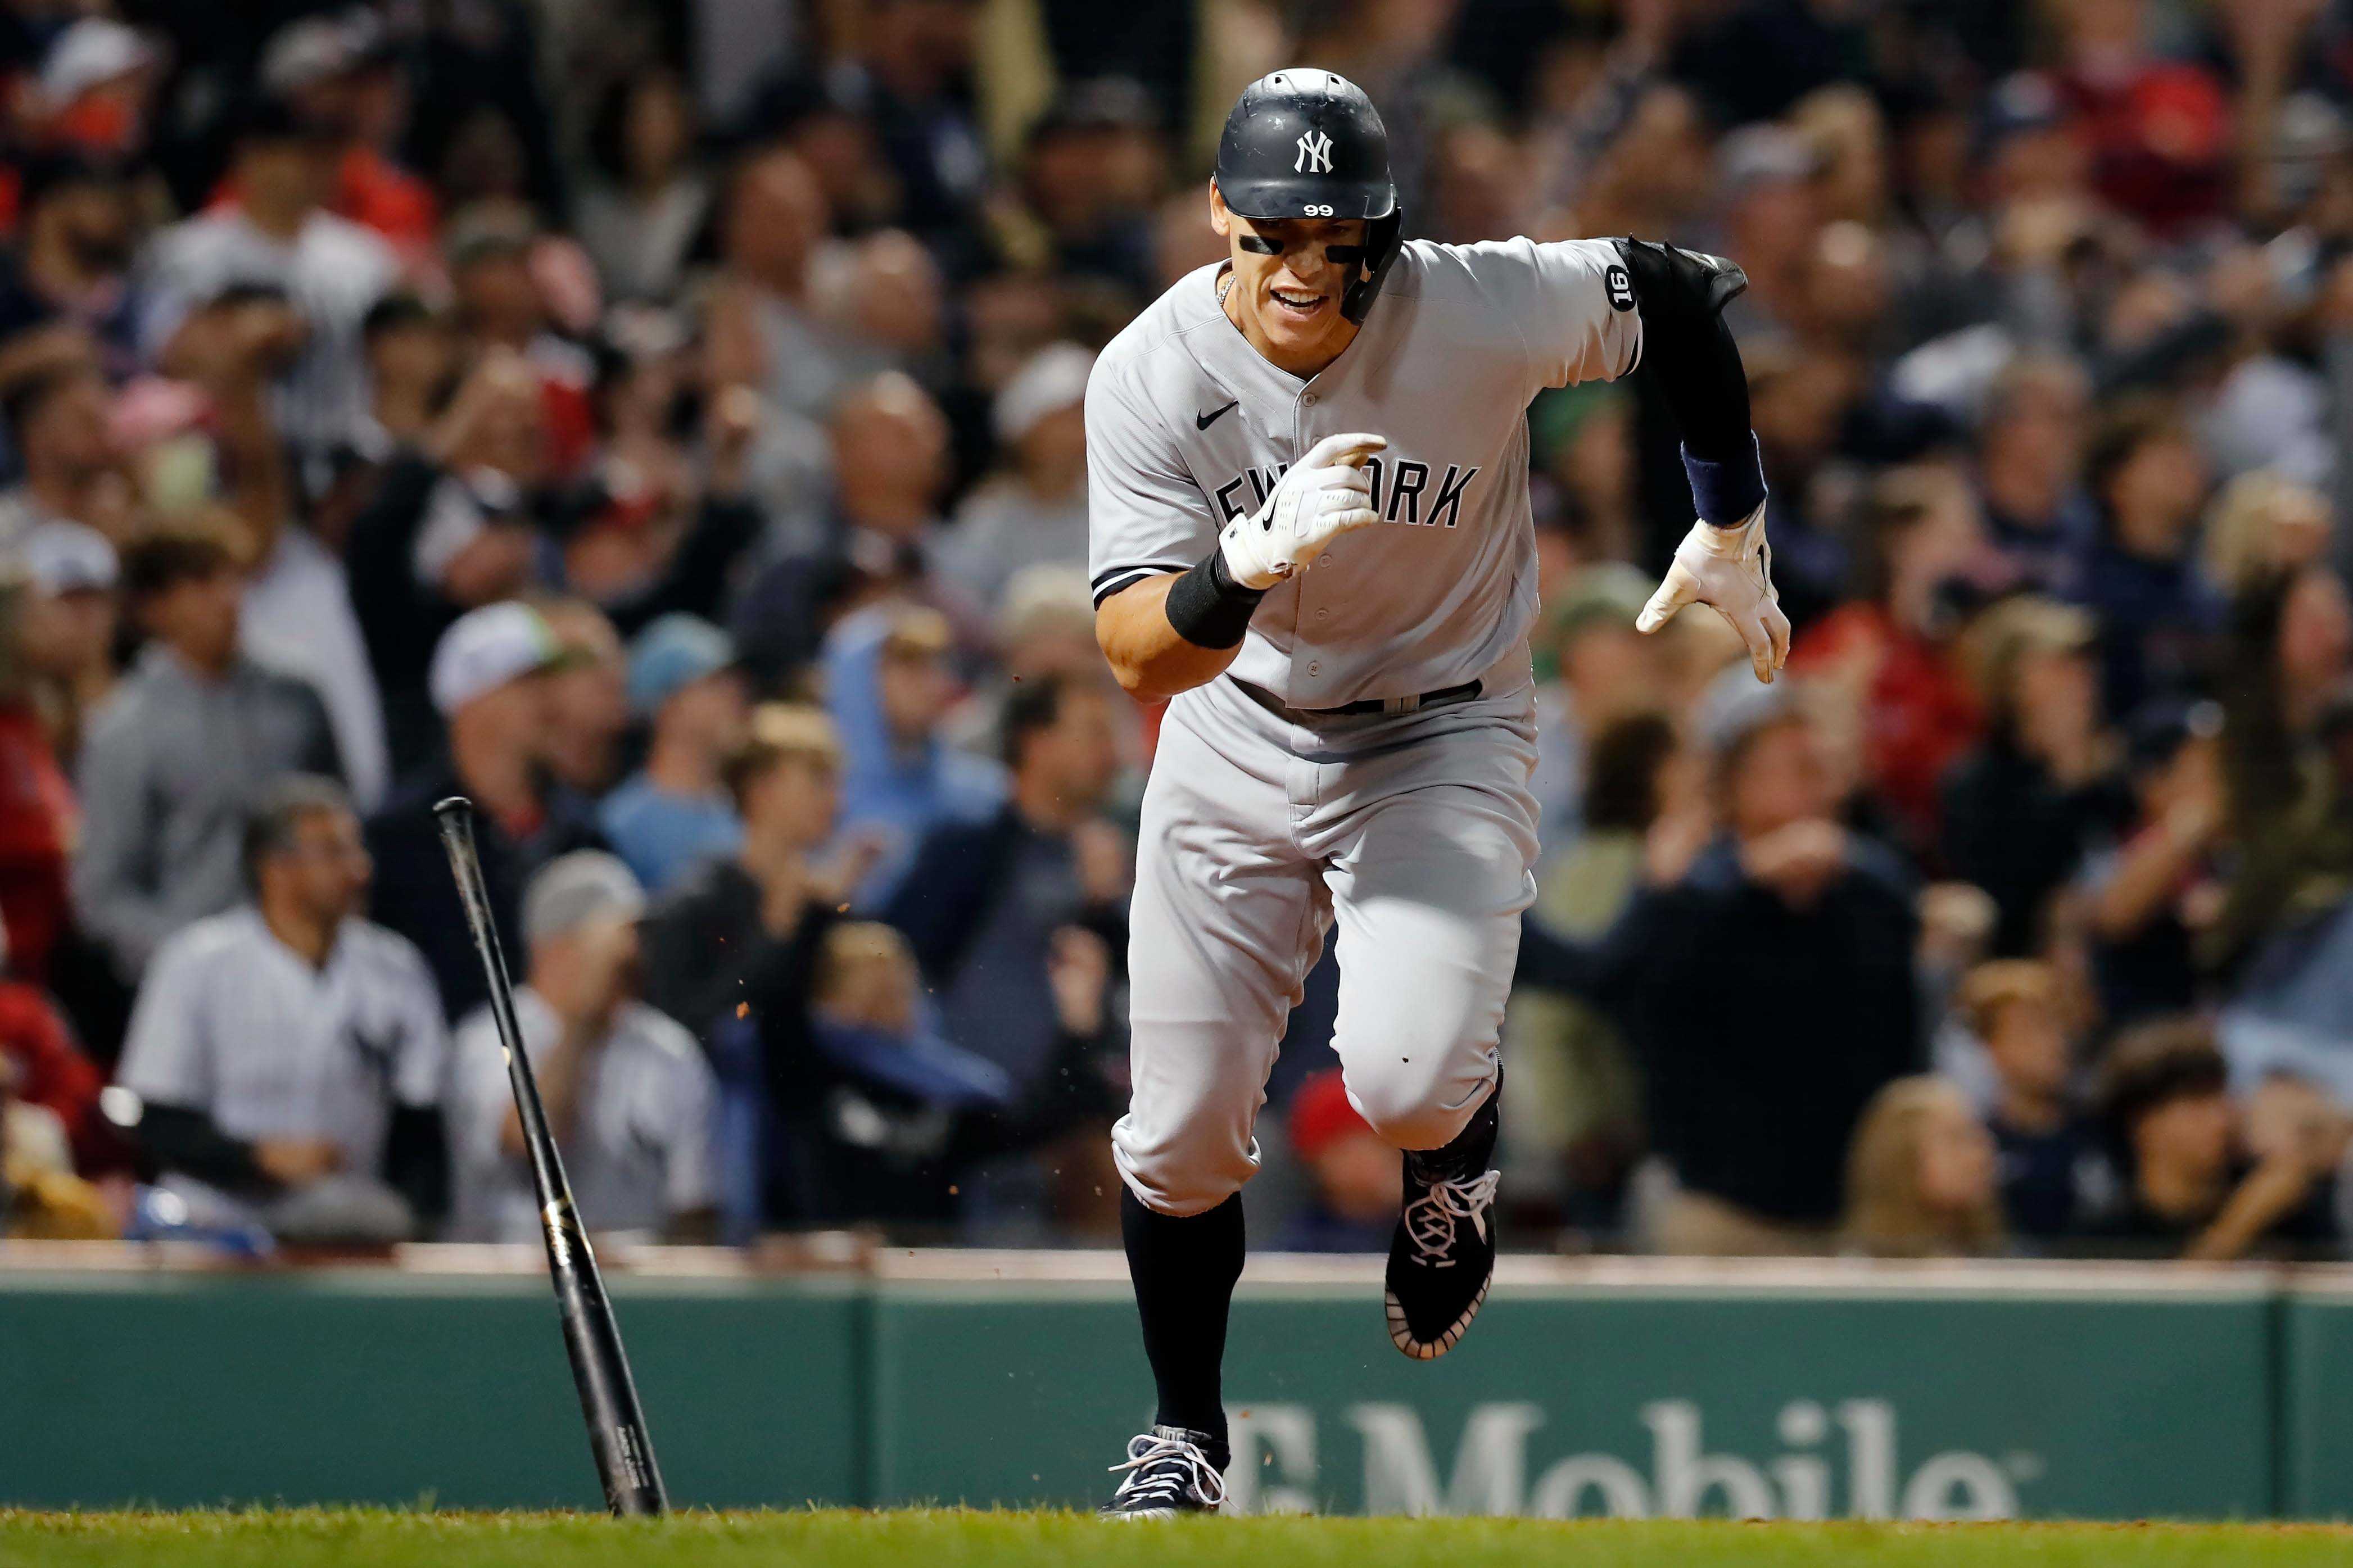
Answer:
(1676, 287)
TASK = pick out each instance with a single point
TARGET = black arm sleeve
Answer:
(1696, 367)
(417, 1160)
(191, 1142)
(1691, 358)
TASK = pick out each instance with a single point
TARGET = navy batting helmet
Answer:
(1307, 143)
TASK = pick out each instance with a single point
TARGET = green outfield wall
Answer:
(1624, 1389)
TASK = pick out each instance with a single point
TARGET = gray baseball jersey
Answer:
(1267, 822)
(1188, 426)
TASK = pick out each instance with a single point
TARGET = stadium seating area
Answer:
(661, 421)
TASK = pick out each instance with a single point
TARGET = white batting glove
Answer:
(1730, 570)
(1323, 495)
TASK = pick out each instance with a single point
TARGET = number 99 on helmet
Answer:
(1307, 143)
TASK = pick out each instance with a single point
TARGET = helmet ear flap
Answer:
(1384, 238)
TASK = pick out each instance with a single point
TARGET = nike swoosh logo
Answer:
(1203, 421)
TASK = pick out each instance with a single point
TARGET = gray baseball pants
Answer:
(1261, 826)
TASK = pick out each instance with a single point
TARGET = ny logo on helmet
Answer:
(1315, 154)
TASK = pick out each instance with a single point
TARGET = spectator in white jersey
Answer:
(628, 1096)
(177, 755)
(290, 1056)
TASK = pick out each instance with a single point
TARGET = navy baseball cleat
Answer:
(1442, 1256)
(1170, 1470)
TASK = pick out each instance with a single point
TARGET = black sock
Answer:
(1472, 1151)
(1185, 1271)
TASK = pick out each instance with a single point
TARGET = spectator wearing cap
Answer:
(1767, 994)
(92, 94)
(890, 688)
(289, 1055)
(675, 811)
(2055, 1175)
(1353, 1174)
(276, 233)
(341, 72)
(72, 260)
(2044, 789)
(628, 1096)
(72, 614)
(490, 684)
(1035, 513)
(179, 751)
(2189, 1189)
(2148, 898)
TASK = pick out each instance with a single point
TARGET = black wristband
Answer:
(1207, 607)
(1725, 493)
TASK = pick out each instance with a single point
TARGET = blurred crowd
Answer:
(661, 423)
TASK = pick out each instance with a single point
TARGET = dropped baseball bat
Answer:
(600, 1370)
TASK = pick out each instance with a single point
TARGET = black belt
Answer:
(1465, 692)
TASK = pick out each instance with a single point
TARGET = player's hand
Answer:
(1730, 570)
(1322, 496)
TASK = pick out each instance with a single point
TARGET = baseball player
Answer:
(1310, 528)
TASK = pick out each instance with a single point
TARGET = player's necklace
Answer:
(1225, 287)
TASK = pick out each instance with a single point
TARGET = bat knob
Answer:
(455, 805)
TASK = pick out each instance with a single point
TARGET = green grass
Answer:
(380, 1539)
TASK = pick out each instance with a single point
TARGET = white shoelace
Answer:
(1161, 1469)
(1430, 1219)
